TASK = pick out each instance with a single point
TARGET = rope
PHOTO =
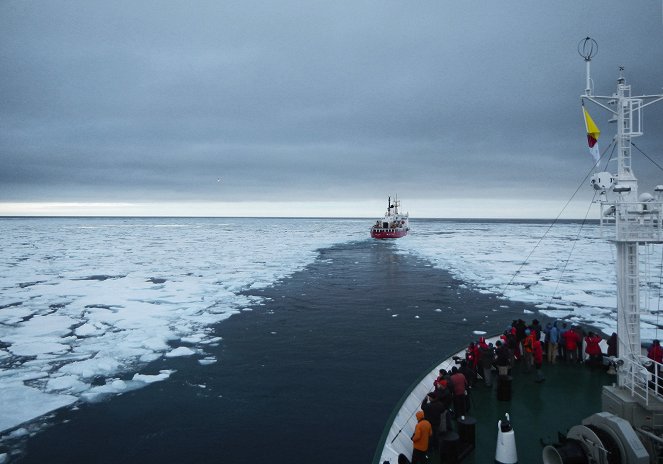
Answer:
(566, 263)
(647, 156)
(545, 234)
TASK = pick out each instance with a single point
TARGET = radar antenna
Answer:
(588, 49)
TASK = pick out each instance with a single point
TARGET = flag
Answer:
(593, 133)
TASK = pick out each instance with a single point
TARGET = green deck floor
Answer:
(538, 411)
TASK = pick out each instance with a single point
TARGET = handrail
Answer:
(634, 221)
(642, 377)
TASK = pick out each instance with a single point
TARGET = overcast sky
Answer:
(315, 108)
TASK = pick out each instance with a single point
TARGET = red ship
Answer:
(393, 224)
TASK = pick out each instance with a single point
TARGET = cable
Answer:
(566, 263)
(647, 156)
(555, 220)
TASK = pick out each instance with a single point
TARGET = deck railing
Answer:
(633, 221)
(643, 378)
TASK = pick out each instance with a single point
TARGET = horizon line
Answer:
(74, 216)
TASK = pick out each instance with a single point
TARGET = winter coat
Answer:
(571, 340)
(592, 347)
(433, 411)
(554, 335)
(458, 383)
(612, 345)
(487, 357)
(537, 351)
(502, 357)
(422, 433)
(528, 343)
(656, 353)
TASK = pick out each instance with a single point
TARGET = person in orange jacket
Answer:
(528, 342)
(422, 433)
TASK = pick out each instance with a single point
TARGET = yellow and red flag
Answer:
(593, 133)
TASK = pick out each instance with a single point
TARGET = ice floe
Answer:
(85, 299)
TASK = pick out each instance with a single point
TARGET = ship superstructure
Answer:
(394, 224)
(630, 427)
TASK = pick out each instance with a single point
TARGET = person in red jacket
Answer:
(422, 433)
(593, 350)
(537, 354)
(459, 387)
(571, 340)
(655, 352)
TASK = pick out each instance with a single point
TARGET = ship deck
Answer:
(538, 411)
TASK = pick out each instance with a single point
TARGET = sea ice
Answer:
(162, 375)
(88, 298)
(489, 256)
(70, 383)
(180, 351)
(20, 403)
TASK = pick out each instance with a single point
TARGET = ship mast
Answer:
(633, 219)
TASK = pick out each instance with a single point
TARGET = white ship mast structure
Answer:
(629, 220)
(629, 429)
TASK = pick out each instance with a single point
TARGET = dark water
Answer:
(310, 377)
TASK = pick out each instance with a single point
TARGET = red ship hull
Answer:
(388, 233)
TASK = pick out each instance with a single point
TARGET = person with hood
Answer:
(612, 345)
(422, 433)
(472, 356)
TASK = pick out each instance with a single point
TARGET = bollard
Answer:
(505, 451)
(449, 447)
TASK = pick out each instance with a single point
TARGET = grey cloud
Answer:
(154, 100)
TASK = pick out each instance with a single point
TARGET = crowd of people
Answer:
(520, 343)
